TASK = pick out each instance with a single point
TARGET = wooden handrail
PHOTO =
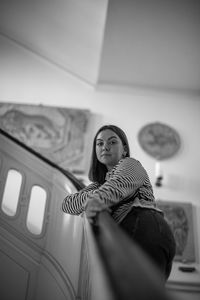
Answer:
(130, 273)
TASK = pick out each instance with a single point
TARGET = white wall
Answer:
(26, 78)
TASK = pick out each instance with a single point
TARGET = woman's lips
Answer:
(105, 154)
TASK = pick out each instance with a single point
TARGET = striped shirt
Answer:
(126, 186)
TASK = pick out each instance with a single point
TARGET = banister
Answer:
(130, 273)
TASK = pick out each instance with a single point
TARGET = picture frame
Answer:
(180, 217)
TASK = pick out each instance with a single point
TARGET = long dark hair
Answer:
(97, 171)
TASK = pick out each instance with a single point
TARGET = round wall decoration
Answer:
(159, 140)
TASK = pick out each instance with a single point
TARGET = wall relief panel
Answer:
(59, 134)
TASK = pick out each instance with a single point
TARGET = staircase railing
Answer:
(119, 265)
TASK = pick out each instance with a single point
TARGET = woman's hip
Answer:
(148, 225)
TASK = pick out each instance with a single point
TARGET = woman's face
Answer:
(109, 148)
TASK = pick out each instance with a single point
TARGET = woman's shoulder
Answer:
(130, 164)
(129, 161)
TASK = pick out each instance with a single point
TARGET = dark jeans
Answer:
(151, 232)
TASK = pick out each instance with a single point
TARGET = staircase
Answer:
(48, 255)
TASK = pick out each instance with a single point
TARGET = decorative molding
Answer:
(45, 259)
(63, 280)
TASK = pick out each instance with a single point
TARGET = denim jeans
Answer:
(149, 229)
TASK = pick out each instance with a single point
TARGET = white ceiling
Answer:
(134, 43)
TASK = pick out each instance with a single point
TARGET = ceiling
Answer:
(134, 43)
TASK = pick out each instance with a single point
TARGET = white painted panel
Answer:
(14, 279)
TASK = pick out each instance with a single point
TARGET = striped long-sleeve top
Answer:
(126, 186)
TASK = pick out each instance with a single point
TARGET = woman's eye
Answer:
(99, 144)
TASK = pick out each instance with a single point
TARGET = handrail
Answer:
(131, 274)
(78, 184)
(94, 282)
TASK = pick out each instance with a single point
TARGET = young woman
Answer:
(121, 185)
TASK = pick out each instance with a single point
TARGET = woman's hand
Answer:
(93, 206)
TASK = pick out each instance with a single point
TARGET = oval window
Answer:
(11, 192)
(36, 210)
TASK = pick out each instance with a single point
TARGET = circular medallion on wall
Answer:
(159, 140)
